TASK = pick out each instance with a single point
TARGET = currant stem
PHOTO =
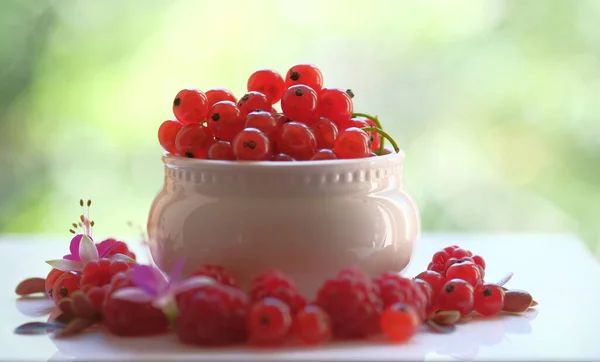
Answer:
(384, 135)
(376, 121)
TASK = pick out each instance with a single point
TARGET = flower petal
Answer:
(74, 246)
(71, 257)
(145, 278)
(122, 257)
(133, 294)
(65, 265)
(105, 249)
(191, 283)
(87, 249)
(176, 272)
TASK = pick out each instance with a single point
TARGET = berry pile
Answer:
(315, 123)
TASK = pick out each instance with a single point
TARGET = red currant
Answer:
(456, 295)
(219, 94)
(251, 145)
(466, 271)
(479, 261)
(460, 253)
(167, 132)
(254, 101)
(221, 150)
(225, 120)
(299, 103)
(375, 137)
(51, 280)
(312, 325)
(306, 74)
(190, 106)
(335, 104)
(399, 322)
(352, 143)
(268, 82)
(325, 132)
(193, 141)
(269, 321)
(441, 257)
(297, 140)
(450, 249)
(324, 154)
(440, 268)
(263, 121)
(65, 285)
(282, 157)
(449, 263)
(489, 299)
(434, 279)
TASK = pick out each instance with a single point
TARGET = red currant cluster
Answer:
(315, 123)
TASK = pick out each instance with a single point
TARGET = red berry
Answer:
(460, 253)
(312, 325)
(352, 143)
(128, 318)
(466, 271)
(434, 279)
(51, 280)
(299, 102)
(251, 145)
(335, 104)
(449, 263)
(273, 283)
(216, 95)
(220, 150)
(97, 296)
(167, 133)
(489, 299)
(268, 82)
(190, 106)
(352, 302)
(394, 288)
(325, 132)
(324, 154)
(399, 322)
(456, 295)
(65, 285)
(441, 257)
(193, 141)
(297, 140)
(97, 273)
(479, 261)
(269, 322)
(263, 121)
(214, 315)
(450, 249)
(374, 136)
(225, 120)
(440, 268)
(306, 74)
(282, 157)
(120, 248)
(428, 292)
(254, 101)
(216, 272)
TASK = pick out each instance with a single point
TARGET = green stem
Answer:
(385, 135)
(376, 121)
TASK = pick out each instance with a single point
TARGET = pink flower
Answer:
(104, 247)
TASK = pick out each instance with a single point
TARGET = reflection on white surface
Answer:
(562, 327)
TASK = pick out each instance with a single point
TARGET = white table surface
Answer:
(558, 270)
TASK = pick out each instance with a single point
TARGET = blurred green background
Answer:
(496, 103)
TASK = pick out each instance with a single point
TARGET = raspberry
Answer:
(312, 325)
(396, 289)
(128, 318)
(218, 273)
(215, 315)
(274, 284)
(100, 272)
(352, 302)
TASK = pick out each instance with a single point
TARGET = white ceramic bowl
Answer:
(309, 219)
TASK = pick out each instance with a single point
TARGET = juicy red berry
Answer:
(275, 284)
(456, 295)
(335, 104)
(297, 140)
(450, 249)
(251, 145)
(396, 289)
(254, 101)
(479, 261)
(65, 285)
(269, 322)
(306, 74)
(167, 132)
(325, 132)
(190, 106)
(215, 315)
(449, 263)
(282, 157)
(51, 279)
(216, 95)
(460, 253)
(268, 82)
(324, 154)
(216, 272)
(352, 302)
(466, 271)
(193, 141)
(225, 120)
(263, 121)
(299, 102)
(374, 136)
(428, 292)
(489, 299)
(116, 247)
(128, 318)
(441, 257)
(352, 143)
(399, 322)
(98, 273)
(440, 268)
(220, 150)
(97, 295)
(312, 325)
(434, 279)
